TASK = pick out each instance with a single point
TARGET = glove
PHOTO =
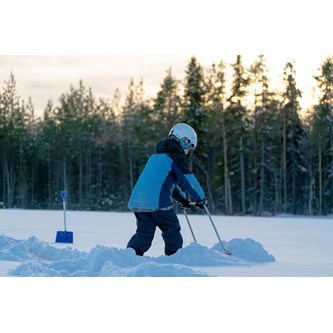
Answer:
(200, 204)
(185, 203)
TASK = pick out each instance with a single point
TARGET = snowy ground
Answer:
(262, 247)
(274, 247)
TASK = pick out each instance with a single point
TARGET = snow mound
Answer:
(247, 249)
(38, 258)
(198, 255)
(20, 250)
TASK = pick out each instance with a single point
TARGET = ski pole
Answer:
(217, 234)
(189, 224)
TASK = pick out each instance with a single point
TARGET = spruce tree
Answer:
(219, 192)
(238, 122)
(322, 138)
(167, 104)
(12, 136)
(293, 135)
(265, 140)
(195, 115)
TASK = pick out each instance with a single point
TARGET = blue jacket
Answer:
(158, 182)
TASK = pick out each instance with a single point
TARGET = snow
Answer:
(38, 258)
(282, 246)
(271, 246)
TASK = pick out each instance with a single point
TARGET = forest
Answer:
(258, 153)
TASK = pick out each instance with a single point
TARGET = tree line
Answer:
(256, 153)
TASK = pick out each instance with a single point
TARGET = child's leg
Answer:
(168, 222)
(142, 239)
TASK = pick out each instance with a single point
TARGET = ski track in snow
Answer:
(39, 258)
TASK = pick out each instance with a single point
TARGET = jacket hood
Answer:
(169, 146)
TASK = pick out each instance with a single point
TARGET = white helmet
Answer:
(185, 134)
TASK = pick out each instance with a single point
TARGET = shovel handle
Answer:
(64, 195)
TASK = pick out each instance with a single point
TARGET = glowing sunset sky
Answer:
(107, 43)
(47, 77)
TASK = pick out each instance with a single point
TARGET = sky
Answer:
(106, 43)
(45, 77)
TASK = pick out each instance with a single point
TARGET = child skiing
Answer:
(151, 199)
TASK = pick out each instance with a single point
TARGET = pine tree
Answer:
(76, 118)
(265, 136)
(12, 134)
(139, 137)
(293, 139)
(322, 137)
(218, 170)
(48, 148)
(167, 104)
(28, 157)
(108, 162)
(238, 122)
(195, 115)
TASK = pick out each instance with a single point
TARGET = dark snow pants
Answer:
(167, 221)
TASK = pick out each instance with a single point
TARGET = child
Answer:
(151, 199)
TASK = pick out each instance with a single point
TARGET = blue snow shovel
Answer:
(64, 236)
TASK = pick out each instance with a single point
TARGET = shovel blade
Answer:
(64, 237)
